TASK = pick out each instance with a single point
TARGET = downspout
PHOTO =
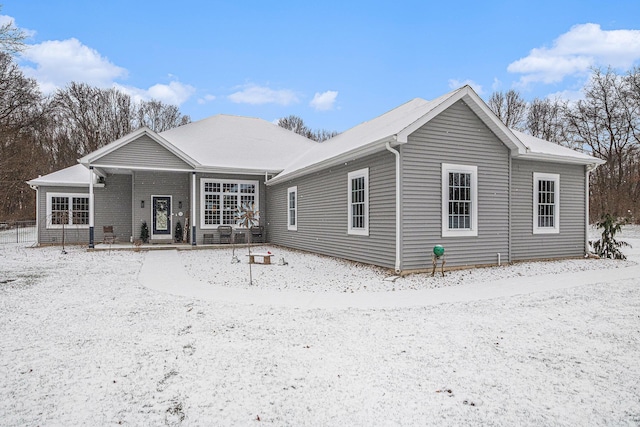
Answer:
(510, 188)
(193, 208)
(91, 208)
(587, 169)
(398, 203)
(133, 207)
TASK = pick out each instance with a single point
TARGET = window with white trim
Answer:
(358, 196)
(292, 208)
(546, 203)
(459, 200)
(220, 200)
(67, 209)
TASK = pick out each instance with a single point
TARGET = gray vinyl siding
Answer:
(48, 236)
(148, 184)
(113, 207)
(323, 213)
(455, 136)
(143, 152)
(570, 241)
(262, 202)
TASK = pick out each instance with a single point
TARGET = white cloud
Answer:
(56, 63)
(174, 93)
(574, 52)
(206, 98)
(6, 19)
(455, 84)
(257, 95)
(324, 101)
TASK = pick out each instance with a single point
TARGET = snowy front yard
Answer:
(82, 342)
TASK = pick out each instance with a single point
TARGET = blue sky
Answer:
(333, 63)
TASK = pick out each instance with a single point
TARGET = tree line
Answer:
(41, 134)
(605, 122)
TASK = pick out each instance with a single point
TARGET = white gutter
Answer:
(398, 204)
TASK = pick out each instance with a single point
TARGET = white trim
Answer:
(169, 218)
(294, 226)
(256, 198)
(360, 231)
(556, 206)
(49, 225)
(455, 232)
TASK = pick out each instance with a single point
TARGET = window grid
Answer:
(292, 208)
(459, 200)
(59, 210)
(358, 203)
(221, 201)
(80, 212)
(67, 209)
(546, 203)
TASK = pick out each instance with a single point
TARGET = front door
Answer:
(162, 215)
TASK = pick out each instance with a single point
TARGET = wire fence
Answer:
(18, 231)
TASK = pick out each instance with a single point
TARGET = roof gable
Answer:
(395, 126)
(125, 156)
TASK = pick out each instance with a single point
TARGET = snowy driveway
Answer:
(165, 271)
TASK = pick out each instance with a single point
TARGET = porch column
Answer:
(193, 209)
(91, 224)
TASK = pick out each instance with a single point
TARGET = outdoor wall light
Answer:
(142, 203)
(180, 204)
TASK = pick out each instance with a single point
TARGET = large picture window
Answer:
(546, 203)
(459, 200)
(358, 196)
(67, 209)
(292, 208)
(221, 199)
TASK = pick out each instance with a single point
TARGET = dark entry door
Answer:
(162, 215)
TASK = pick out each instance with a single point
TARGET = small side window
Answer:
(546, 203)
(292, 208)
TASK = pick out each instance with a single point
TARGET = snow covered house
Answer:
(445, 171)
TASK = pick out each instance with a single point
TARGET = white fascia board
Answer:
(591, 162)
(61, 184)
(347, 156)
(479, 107)
(140, 168)
(235, 171)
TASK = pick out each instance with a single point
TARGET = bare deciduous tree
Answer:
(604, 122)
(11, 38)
(510, 107)
(159, 117)
(544, 120)
(297, 125)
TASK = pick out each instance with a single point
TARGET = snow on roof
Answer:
(404, 118)
(76, 175)
(224, 141)
(543, 147)
(376, 130)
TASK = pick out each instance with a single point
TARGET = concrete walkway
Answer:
(164, 272)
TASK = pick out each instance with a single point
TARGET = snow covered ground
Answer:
(83, 342)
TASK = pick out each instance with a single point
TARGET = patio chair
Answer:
(226, 233)
(108, 236)
(257, 233)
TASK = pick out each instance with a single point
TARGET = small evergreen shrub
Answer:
(178, 234)
(144, 232)
(607, 246)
